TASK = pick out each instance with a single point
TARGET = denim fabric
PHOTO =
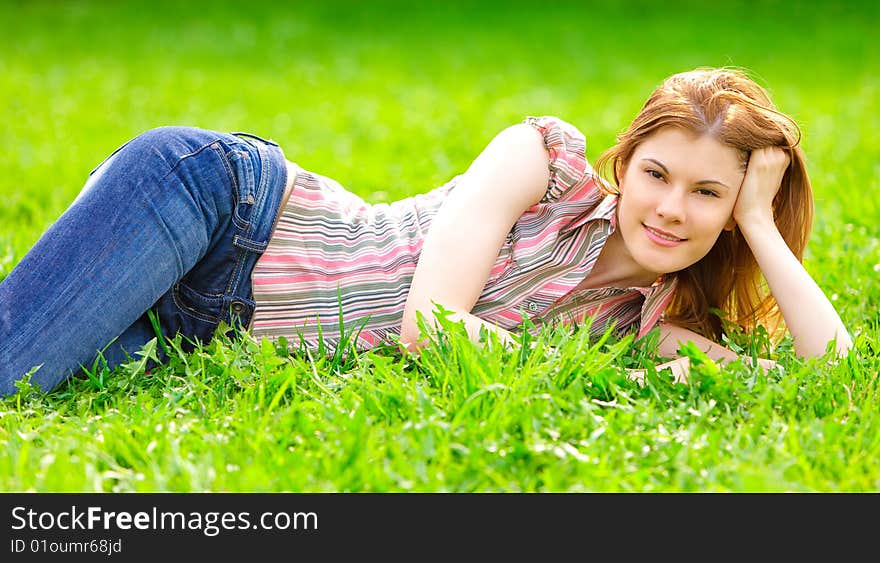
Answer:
(174, 221)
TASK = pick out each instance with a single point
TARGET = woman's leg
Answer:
(146, 216)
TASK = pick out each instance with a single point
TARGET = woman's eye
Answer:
(654, 174)
(706, 192)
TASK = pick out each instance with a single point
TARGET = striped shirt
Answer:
(333, 257)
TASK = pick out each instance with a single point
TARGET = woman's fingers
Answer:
(762, 181)
(680, 368)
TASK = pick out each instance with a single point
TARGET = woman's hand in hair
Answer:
(762, 181)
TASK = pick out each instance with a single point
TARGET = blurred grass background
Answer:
(393, 98)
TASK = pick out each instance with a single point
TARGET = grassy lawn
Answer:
(393, 99)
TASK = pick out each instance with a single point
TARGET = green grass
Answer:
(393, 99)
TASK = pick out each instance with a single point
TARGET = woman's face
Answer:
(676, 196)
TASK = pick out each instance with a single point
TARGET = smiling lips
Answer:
(662, 237)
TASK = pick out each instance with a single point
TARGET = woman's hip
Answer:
(234, 183)
(218, 288)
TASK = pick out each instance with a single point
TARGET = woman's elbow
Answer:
(412, 337)
(838, 346)
(843, 344)
(411, 345)
(409, 335)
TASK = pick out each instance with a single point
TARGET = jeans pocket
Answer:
(244, 182)
(201, 306)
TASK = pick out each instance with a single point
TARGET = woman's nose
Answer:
(671, 205)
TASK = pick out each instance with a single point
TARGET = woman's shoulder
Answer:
(566, 146)
(555, 125)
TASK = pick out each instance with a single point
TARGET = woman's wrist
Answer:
(756, 223)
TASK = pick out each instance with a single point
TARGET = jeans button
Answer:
(237, 307)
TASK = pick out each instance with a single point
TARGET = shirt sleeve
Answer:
(567, 148)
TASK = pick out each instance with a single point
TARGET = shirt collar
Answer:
(662, 280)
(607, 210)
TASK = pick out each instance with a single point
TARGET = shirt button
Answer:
(533, 307)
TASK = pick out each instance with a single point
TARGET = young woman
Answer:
(710, 194)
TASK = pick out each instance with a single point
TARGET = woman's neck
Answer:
(615, 267)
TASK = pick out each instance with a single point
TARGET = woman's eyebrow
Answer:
(666, 171)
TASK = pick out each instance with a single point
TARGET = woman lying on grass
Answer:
(710, 194)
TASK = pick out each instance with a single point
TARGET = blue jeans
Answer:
(173, 221)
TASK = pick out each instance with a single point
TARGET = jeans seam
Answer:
(239, 266)
(263, 193)
(236, 220)
(230, 172)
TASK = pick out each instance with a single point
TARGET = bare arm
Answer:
(508, 177)
(673, 336)
(809, 315)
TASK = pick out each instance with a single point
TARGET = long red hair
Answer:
(728, 105)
